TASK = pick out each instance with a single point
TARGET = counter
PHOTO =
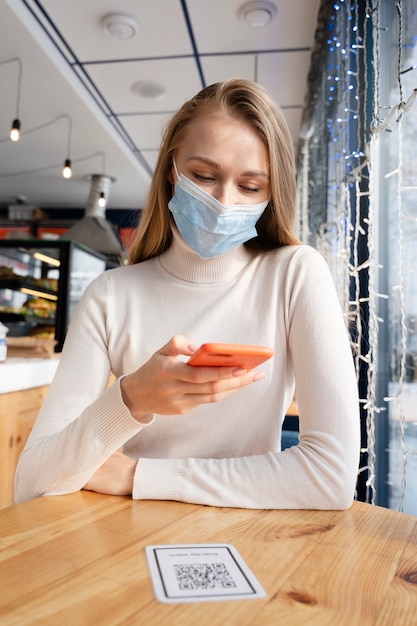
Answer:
(17, 374)
(24, 383)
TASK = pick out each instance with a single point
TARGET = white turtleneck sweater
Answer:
(224, 454)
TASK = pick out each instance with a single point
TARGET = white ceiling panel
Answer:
(79, 22)
(276, 72)
(220, 67)
(179, 77)
(146, 130)
(218, 27)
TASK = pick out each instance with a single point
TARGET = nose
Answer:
(226, 194)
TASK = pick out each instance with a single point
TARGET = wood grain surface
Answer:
(79, 560)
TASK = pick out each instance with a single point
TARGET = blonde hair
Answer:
(244, 100)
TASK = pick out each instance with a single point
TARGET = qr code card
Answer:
(198, 573)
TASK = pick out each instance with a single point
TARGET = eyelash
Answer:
(208, 179)
(203, 179)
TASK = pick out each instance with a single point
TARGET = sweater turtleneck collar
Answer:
(184, 263)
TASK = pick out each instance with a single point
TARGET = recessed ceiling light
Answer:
(258, 14)
(148, 89)
(120, 25)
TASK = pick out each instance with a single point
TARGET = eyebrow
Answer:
(207, 161)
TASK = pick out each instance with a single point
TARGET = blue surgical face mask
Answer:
(207, 226)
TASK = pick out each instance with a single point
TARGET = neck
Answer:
(183, 262)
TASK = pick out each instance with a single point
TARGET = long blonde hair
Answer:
(241, 99)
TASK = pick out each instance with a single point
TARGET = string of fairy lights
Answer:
(350, 103)
(388, 120)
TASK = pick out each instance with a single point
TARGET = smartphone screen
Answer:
(246, 356)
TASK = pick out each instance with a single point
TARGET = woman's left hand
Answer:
(114, 477)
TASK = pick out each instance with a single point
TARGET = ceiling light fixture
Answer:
(15, 128)
(258, 14)
(100, 182)
(67, 171)
(149, 89)
(99, 193)
(120, 25)
(102, 200)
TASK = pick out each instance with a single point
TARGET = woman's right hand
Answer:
(168, 386)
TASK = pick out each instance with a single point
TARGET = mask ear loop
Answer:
(175, 167)
(175, 181)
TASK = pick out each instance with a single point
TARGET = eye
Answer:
(250, 189)
(203, 179)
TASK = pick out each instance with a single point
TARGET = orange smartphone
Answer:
(246, 356)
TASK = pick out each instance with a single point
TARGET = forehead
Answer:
(215, 122)
(219, 132)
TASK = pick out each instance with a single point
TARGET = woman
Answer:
(214, 259)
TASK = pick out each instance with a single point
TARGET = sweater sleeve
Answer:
(81, 422)
(321, 471)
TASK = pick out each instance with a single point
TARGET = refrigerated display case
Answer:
(41, 282)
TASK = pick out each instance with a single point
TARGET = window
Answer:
(357, 183)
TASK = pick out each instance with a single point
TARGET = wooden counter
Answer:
(23, 386)
(80, 560)
(18, 412)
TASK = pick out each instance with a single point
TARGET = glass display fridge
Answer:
(41, 282)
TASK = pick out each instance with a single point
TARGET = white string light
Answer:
(353, 177)
(401, 380)
(370, 405)
(396, 116)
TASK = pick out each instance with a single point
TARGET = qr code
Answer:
(203, 576)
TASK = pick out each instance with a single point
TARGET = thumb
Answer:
(178, 345)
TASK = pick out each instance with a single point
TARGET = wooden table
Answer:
(80, 560)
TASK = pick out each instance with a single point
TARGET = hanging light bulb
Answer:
(67, 171)
(102, 200)
(15, 130)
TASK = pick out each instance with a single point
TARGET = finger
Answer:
(221, 385)
(202, 374)
(218, 391)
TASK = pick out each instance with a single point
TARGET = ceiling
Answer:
(76, 97)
